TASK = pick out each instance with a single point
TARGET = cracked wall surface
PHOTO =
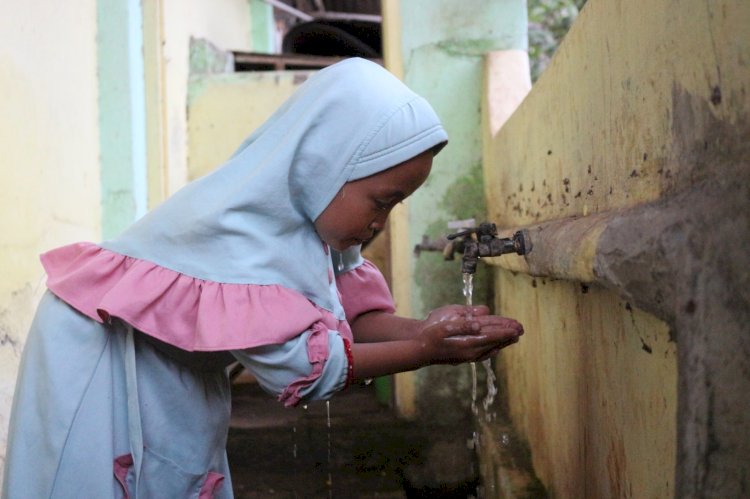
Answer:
(50, 152)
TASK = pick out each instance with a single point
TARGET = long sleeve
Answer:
(315, 364)
(287, 371)
(361, 285)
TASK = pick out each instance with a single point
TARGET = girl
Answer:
(123, 390)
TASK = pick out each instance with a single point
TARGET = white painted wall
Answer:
(49, 157)
(226, 24)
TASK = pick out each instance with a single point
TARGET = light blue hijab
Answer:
(251, 220)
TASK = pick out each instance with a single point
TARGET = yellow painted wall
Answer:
(49, 167)
(596, 133)
(224, 109)
(398, 222)
(592, 386)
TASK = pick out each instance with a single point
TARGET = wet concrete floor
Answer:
(361, 451)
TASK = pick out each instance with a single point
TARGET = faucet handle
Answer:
(484, 231)
(462, 224)
(463, 233)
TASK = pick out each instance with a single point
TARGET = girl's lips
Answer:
(368, 237)
(348, 243)
(356, 240)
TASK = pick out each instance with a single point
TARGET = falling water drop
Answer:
(295, 461)
(505, 440)
(341, 262)
(328, 413)
(491, 388)
(329, 482)
(468, 291)
(474, 408)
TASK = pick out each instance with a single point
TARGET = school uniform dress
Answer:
(123, 388)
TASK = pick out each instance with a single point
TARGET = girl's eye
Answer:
(381, 205)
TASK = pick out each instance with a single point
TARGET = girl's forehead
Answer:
(402, 179)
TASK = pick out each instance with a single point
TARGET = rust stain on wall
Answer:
(629, 164)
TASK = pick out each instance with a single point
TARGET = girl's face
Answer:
(361, 207)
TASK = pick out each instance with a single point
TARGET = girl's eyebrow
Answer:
(391, 196)
(395, 194)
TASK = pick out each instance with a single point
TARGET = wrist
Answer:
(415, 328)
(419, 352)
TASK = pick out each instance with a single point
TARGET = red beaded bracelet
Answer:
(350, 366)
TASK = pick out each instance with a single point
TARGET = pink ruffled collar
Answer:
(189, 313)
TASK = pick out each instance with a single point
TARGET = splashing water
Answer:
(468, 291)
(473, 442)
(491, 389)
(468, 294)
(474, 408)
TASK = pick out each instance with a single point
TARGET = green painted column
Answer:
(262, 31)
(442, 47)
(438, 47)
(122, 120)
(443, 43)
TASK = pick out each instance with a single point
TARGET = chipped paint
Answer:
(628, 164)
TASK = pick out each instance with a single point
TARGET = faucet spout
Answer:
(487, 244)
(471, 257)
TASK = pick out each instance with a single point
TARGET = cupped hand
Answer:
(452, 336)
(454, 312)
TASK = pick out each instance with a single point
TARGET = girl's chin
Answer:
(344, 245)
(338, 245)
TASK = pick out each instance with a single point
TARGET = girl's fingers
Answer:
(495, 319)
(495, 329)
(452, 329)
(493, 322)
(488, 329)
(478, 310)
(462, 311)
(471, 348)
(483, 340)
(494, 351)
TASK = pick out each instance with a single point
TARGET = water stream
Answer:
(329, 483)
(468, 295)
(468, 291)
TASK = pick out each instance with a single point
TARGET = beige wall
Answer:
(49, 135)
(226, 25)
(49, 166)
